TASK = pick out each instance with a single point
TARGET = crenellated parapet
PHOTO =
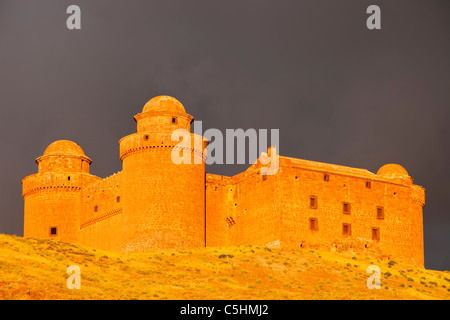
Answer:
(109, 183)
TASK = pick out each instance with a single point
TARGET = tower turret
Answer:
(408, 206)
(164, 201)
(63, 156)
(395, 172)
(52, 196)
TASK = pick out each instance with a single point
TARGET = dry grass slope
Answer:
(36, 269)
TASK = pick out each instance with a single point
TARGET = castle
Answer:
(154, 203)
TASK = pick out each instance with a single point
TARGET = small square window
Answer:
(313, 202)
(376, 234)
(326, 177)
(368, 184)
(346, 208)
(146, 137)
(174, 120)
(346, 229)
(68, 178)
(380, 213)
(118, 199)
(96, 209)
(313, 224)
(53, 231)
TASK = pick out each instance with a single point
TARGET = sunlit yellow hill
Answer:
(36, 269)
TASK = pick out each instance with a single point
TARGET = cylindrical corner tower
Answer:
(52, 196)
(163, 202)
(405, 227)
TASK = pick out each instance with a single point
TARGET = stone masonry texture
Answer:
(156, 204)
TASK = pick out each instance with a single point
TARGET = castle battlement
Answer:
(154, 203)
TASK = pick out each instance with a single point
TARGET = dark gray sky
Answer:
(338, 92)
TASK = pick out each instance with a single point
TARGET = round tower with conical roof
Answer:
(163, 201)
(52, 196)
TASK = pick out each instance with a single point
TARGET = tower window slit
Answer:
(313, 224)
(376, 234)
(313, 202)
(346, 208)
(380, 213)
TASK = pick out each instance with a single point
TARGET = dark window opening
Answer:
(95, 208)
(53, 231)
(118, 199)
(376, 234)
(368, 184)
(346, 229)
(313, 224)
(313, 202)
(346, 208)
(174, 120)
(380, 213)
(68, 178)
(146, 137)
(326, 177)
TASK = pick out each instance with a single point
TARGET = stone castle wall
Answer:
(154, 203)
(101, 214)
(53, 200)
(276, 210)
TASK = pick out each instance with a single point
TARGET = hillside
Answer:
(36, 269)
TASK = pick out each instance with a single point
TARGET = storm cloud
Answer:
(338, 92)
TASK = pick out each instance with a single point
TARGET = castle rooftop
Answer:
(164, 104)
(393, 170)
(64, 147)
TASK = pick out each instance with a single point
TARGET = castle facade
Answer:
(154, 203)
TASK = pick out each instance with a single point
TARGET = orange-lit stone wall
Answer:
(241, 210)
(276, 210)
(52, 200)
(154, 203)
(101, 218)
(63, 164)
(364, 192)
(164, 202)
